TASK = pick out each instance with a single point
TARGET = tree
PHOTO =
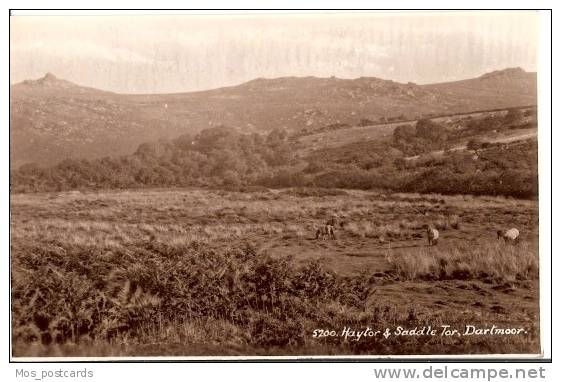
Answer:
(227, 160)
(403, 133)
(31, 169)
(513, 117)
(276, 137)
(474, 144)
(365, 122)
(220, 137)
(430, 130)
(490, 122)
(184, 142)
(231, 178)
(147, 150)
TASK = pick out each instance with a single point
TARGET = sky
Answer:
(179, 53)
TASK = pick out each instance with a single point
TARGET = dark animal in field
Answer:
(510, 236)
(330, 225)
(325, 232)
(331, 231)
(321, 232)
(432, 235)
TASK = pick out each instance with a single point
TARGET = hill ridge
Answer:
(52, 118)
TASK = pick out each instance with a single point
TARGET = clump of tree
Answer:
(222, 157)
(485, 124)
(427, 135)
(397, 118)
(366, 122)
(214, 157)
(513, 119)
(507, 169)
(476, 144)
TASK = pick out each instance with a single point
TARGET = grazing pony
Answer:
(331, 223)
(325, 232)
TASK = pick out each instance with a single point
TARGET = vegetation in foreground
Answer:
(119, 274)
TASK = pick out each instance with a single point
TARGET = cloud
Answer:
(181, 53)
(71, 50)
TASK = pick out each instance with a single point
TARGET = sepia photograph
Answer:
(344, 184)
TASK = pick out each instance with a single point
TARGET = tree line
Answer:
(223, 157)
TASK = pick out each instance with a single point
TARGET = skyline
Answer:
(183, 53)
(241, 83)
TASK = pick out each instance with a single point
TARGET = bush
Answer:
(474, 144)
(62, 293)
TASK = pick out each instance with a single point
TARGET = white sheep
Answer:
(432, 235)
(512, 235)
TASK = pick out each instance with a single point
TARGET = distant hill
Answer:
(52, 119)
(498, 89)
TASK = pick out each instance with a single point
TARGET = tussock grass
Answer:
(489, 259)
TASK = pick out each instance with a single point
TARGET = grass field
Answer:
(202, 272)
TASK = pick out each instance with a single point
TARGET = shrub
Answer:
(62, 294)
(474, 144)
(454, 221)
